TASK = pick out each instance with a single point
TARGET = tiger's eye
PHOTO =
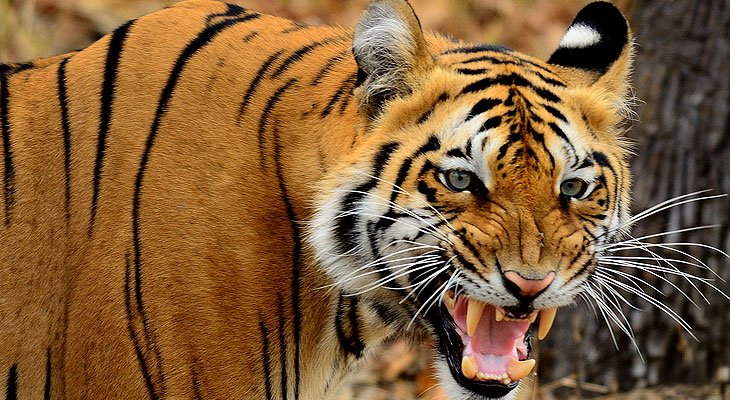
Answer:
(458, 180)
(573, 187)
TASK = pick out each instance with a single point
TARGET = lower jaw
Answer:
(450, 343)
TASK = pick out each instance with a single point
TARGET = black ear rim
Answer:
(608, 21)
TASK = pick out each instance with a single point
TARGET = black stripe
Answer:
(9, 175)
(339, 328)
(47, 386)
(456, 153)
(350, 344)
(283, 353)
(482, 106)
(255, 83)
(264, 119)
(345, 90)
(555, 113)
(250, 36)
(12, 393)
(232, 10)
(510, 80)
(66, 127)
(498, 48)
(296, 258)
(391, 216)
(346, 234)
(427, 191)
(195, 378)
(265, 357)
(491, 123)
(385, 311)
(563, 136)
(298, 54)
(466, 264)
(296, 26)
(111, 67)
(469, 245)
(517, 61)
(355, 338)
(203, 38)
(433, 144)
(8, 69)
(472, 71)
(134, 331)
(540, 138)
(602, 160)
(328, 66)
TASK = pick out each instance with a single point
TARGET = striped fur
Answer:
(178, 195)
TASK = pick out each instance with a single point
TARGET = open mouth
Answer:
(487, 347)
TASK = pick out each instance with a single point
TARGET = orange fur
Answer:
(193, 265)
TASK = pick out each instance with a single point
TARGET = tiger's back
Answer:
(183, 118)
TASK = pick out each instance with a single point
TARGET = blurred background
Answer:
(682, 136)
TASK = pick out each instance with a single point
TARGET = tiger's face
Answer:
(484, 183)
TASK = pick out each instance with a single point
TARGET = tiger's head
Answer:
(481, 188)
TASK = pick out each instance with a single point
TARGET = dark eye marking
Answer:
(482, 106)
(456, 153)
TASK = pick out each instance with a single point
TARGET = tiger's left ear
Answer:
(596, 51)
(390, 52)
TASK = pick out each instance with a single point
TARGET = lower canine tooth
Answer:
(546, 322)
(473, 315)
(499, 314)
(519, 369)
(468, 367)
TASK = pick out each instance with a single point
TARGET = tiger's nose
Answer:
(523, 287)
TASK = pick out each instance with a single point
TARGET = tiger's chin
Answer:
(484, 349)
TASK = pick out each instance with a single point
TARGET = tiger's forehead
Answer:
(497, 60)
(506, 116)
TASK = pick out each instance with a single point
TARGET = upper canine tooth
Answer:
(547, 317)
(469, 367)
(473, 315)
(499, 314)
(519, 369)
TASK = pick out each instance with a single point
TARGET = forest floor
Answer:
(400, 372)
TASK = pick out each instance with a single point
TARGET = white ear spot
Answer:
(580, 36)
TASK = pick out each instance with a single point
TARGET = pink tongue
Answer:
(494, 343)
(491, 337)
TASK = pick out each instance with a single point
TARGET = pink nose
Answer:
(529, 287)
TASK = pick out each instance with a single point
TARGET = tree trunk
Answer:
(682, 75)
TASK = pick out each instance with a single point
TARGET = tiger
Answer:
(210, 202)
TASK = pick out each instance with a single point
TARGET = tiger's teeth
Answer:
(469, 367)
(547, 317)
(532, 317)
(499, 315)
(519, 369)
(473, 315)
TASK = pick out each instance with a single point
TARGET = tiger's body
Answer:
(160, 187)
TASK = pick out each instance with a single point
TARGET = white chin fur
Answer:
(455, 391)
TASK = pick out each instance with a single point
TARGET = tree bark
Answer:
(682, 75)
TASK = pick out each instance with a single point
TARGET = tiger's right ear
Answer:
(390, 52)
